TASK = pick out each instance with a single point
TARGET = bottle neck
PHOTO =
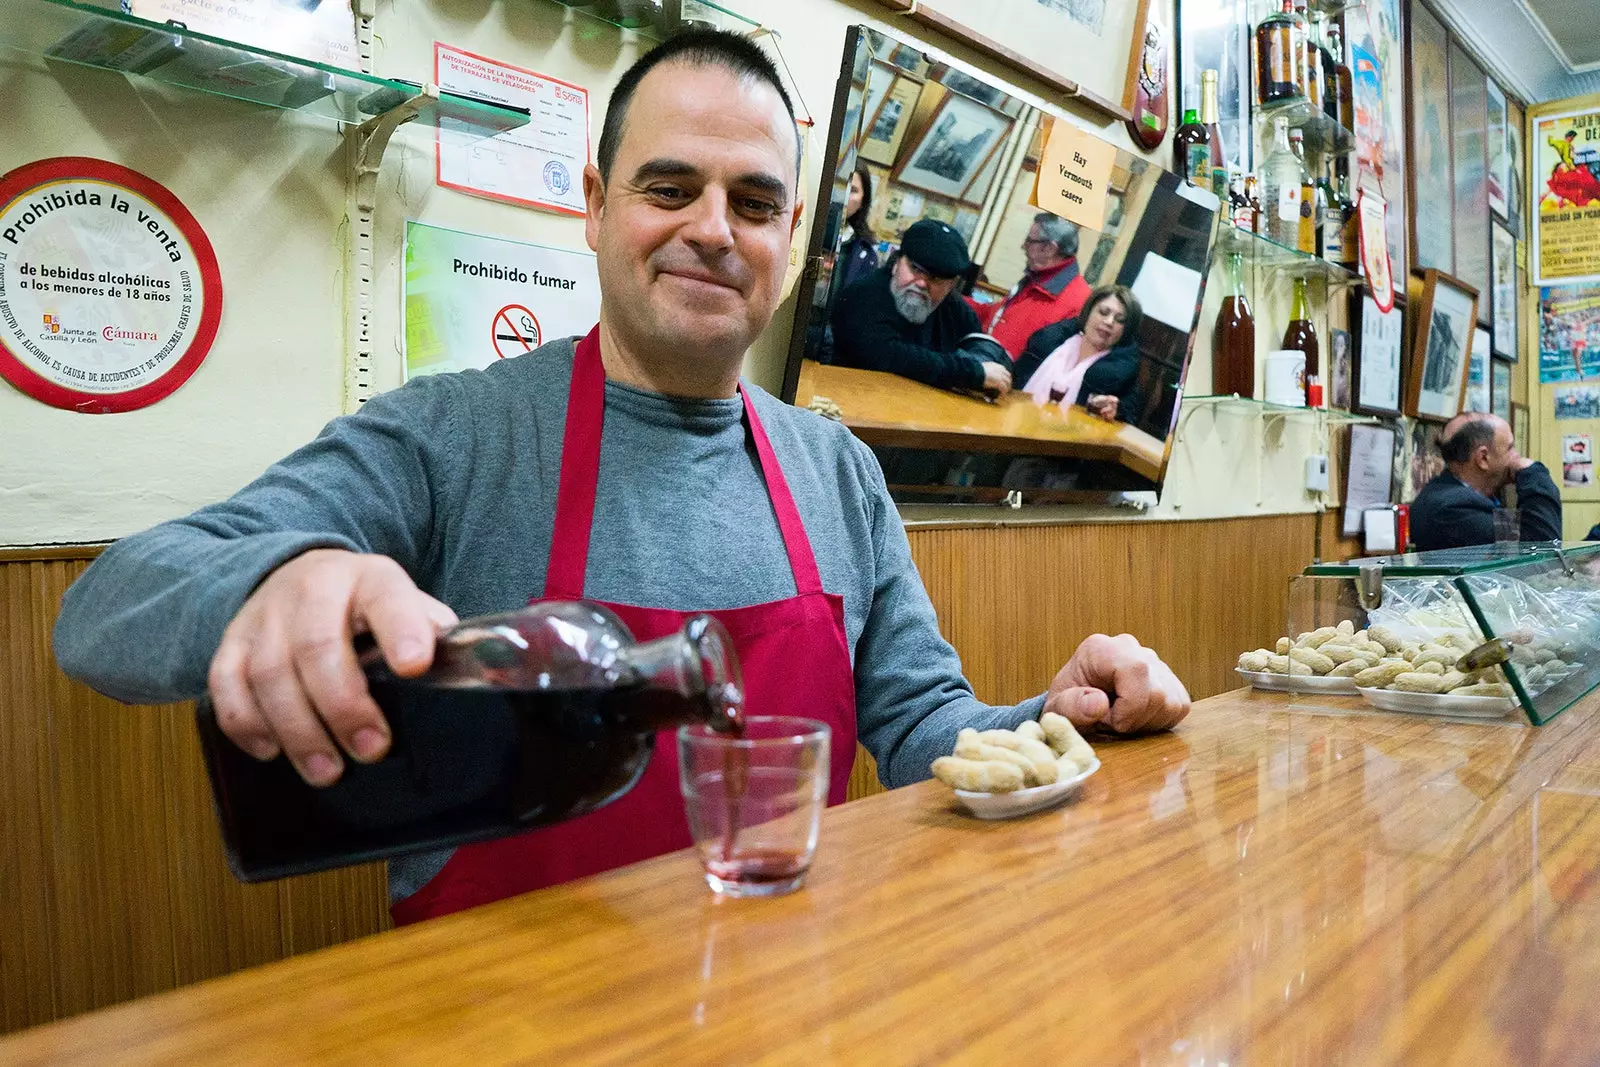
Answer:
(1208, 101)
(697, 663)
(1235, 274)
(1300, 307)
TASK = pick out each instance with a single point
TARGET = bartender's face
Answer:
(692, 231)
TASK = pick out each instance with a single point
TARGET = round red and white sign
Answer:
(110, 294)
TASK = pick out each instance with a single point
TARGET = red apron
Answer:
(793, 653)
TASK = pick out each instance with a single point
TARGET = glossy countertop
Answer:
(886, 409)
(1264, 885)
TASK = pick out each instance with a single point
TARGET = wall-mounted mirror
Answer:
(978, 345)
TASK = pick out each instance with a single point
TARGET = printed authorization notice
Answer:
(540, 164)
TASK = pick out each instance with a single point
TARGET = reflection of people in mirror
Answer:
(858, 253)
(1051, 290)
(1481, 459)
(903, 319)
(1091, 361)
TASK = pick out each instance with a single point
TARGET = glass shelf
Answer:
(1266, 254)
(1330, 8)
(1321, 133)
(75, 32)
(1247, 405)
(661, 19)
(1474, 559)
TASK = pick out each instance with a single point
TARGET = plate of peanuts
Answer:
(1325, 660)
(1001, 774)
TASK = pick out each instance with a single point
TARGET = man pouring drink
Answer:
(632, 468)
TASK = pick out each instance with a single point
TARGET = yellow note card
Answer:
(1075, 175)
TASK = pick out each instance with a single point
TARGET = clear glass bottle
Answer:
(1281, 181)
(525, 719)
(1233, 338)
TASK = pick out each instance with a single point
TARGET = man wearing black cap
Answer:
(898, 318)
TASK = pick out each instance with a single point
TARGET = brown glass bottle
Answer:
(1233, 339)
(1344, 91)
(1301, 336)
(1311, 61)
(1280, 56)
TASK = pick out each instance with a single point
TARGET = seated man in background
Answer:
(1457, 508)
(901, 318)
(1051, 290)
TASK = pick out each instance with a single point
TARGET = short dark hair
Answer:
(1473, 434)
(1130, 304)
(696, 48)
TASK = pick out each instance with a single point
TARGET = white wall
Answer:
(269, 188)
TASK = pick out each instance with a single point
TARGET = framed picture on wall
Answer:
(958, 142)
(1500, 388)
(1375, 366)
(1476, 397)
(883, 130)
(1446, 312)
(1499, 159)
(1504, 297)
(1519, 427)
(1432, 182)
(1103, 38)
(1469, 127)
(1516, 190)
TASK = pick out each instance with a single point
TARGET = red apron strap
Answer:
(580, 479)
(580, 473)
(801, 559)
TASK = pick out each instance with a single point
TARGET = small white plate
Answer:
(1023, 801)
(1439, 704)
(1298, 683)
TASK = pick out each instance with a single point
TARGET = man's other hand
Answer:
(1118, 684)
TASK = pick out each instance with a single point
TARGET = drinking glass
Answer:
(754, 802)
(1507, 526)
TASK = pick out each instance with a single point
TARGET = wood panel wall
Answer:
(112, 878)
(113, 883)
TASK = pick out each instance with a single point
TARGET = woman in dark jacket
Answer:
(858, 253)
(1091, 360)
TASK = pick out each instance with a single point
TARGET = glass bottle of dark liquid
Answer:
(525, 719)
(1311, 65)
(1280, 56)
(1337, 227)
(1344, 83)
(1329, 48)
(1301, 335)
(1191, 148)
(1233, 339)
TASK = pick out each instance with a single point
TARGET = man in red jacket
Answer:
(1050, 290)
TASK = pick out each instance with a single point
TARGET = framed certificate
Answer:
(1379, 337)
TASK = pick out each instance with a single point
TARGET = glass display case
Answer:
(1493, 631)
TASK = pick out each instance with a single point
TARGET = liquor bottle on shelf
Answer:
(1311, 211)
(1328, 48)
(1280, 57)
(1281, 180)
(1344, 83)
(1301, 334)
(1240, 216)
(1191, 148)
(1311, 62)
(1209, 117)
(1233, 339)
(1350, 240)
(1252, 194)
(1340, 217)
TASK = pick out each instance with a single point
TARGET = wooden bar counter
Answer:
(1266, 884)
(895, 412)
